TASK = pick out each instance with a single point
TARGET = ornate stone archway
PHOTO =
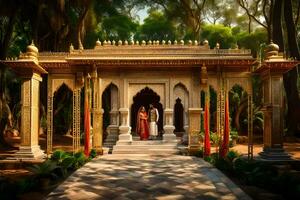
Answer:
(145, 97)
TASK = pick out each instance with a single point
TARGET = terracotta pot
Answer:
(12, 137)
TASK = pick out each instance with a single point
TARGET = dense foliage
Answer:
(45, 176)
(260, 174)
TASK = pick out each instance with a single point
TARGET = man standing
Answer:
(153, 117)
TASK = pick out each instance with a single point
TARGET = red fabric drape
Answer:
(206, 128)
(225, 143)
(86, 127)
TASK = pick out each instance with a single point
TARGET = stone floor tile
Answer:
(147, 177)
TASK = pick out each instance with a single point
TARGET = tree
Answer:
(252, 40)
(189, 13)
(119, 27)
(218, 34)
(260, 11)
(290, 79)
(156, 27)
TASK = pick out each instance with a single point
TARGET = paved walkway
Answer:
(148, 177)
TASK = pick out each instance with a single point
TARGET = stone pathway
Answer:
(147, 177)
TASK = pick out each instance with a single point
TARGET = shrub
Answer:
(73, 162)
(58, 156)
(79, 160)
(231, 155)
(93, 153)
(214, 138)
(44, 170)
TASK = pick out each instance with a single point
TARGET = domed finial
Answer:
(181, 42)
(120, 42)
(169, 42)
(205, 43)
(175, 42)
(71, 49)
(32, 51)
(125, 42)
(236, 46)
(149, 42)
(196, 43)
(98, 43)
(190, 42)
(217, 46)
(113, 42)
(163, 42)
(132, 42)
(143, 42)
(109, 42)
(137, 42)
(105, 42)
(271, 50)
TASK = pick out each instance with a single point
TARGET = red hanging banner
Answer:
(206, 128)
(225, 143)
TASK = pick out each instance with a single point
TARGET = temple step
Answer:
(110, 141)
(147, 147)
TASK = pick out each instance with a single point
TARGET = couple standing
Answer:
(142, 128)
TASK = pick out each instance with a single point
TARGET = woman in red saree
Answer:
(142, 127)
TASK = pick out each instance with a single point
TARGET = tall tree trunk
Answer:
(290, 78)
(276, 25)
(291, 30)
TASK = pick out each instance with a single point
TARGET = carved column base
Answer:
(112, 137)
(274, 154)
(169, 135)
(194, 129)
(112, 129)
(185, 137)
(29, 153)
(125, 137)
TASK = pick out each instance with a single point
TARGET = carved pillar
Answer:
(271, 72)
(273, 119)
(76, 120)
(76, 111)
(29, 148)
(97, 114)
(169, 127)
(195, 113)
(194, 129)
(113, 128)
(49, 116)
(124, 129)
(250, 123)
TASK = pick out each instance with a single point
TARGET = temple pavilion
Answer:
(169, 75)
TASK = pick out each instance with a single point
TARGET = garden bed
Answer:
(38, 180)
(259, 179)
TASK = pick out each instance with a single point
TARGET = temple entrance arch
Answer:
(144, 98)
(181, 93)
(179, 118)
(110, 106)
